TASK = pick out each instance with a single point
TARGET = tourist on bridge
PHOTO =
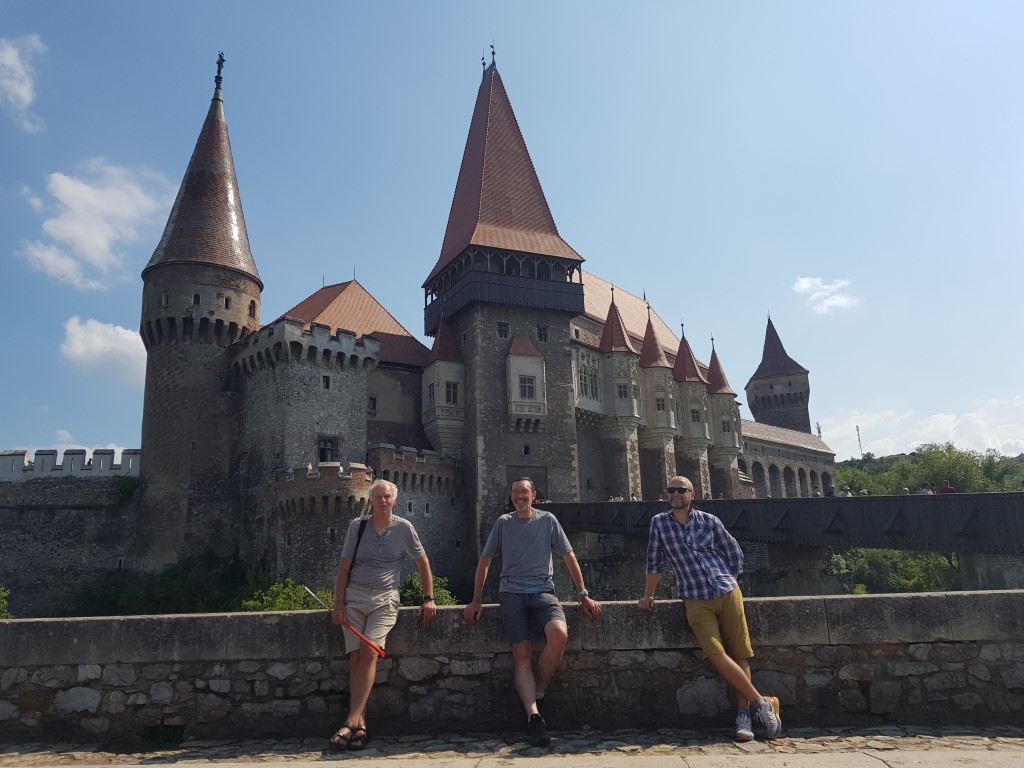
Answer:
(366, 598)
(706, 560)
(525, 540)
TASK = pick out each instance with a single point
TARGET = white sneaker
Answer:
(744, 730)
(766, 716)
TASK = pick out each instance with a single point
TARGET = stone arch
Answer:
(801, 475)
(774, 481)
(789, 482)
(826, 481)
(760, 482)
(815, 482)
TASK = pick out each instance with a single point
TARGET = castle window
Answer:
(165, 299)
(576, 333)
(659, 403)
(327, 382)
(502, 330)
(409, 507)
(332, 533)
(695, 416)
(451, 392)
(227, 302)
(430, 394)
(622, 391)
(371, 404)
(526, 450)
(527, 388)
(726, 426)
(426, 510)
(592, 378)
(542, 333)
(195, 299)
(328, 448)
(252, 308)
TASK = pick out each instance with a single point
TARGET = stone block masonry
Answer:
(934, 659)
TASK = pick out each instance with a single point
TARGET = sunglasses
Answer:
(670, 489)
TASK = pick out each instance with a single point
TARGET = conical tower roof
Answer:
(206, 225)
(498, 199)
(444, 348)
(717, 383)
(615, 338)
(774, 360)
(686, 367)
(651, 353)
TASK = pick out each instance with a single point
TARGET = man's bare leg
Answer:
(526, 685)
(556, 633)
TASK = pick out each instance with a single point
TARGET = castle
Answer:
(264, 436)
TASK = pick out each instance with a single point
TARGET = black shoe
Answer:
(538, 732)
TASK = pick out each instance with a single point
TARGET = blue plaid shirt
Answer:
(705, 558)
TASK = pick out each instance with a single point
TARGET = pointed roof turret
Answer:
(686, 367)
(206, 225)
(615, 338)
(717, 383)
(498, 199)
(774, 360)
(651, 353)
(444, 349)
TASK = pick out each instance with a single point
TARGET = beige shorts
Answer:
(372, 611)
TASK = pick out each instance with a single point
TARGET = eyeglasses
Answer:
(670, 489)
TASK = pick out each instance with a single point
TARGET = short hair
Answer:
(525, 479)
(388, 483)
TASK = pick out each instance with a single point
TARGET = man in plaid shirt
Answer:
(706, 560)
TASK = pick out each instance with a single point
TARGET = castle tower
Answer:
(201, 293)
(694, 434)
(507, 281)
(725, 430)
(778, 392)
(657, 438)
(625, 406)
(443, 378)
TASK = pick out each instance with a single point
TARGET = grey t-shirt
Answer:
(378, 561)
(525, 547)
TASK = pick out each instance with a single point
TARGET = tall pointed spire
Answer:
(206, 225)
(774, 360)
(498, 199)
(686, 368)
(444, 348)
(717, 383)
(615, 338)
(651, 353)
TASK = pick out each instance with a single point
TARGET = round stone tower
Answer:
(201, 293)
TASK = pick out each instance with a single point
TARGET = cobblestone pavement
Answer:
(887, 746)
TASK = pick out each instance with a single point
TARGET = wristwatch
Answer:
(427, 597)
(584, 593)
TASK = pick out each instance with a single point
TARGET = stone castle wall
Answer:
(939, 659)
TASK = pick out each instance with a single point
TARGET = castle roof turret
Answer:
(717, 383)
(498, 200)
(651, 353)
(445, 349)
(615, 338)
(686, 367)
(774, 360)
(206, 224)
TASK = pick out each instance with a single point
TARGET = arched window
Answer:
(252, 309)
(195, 299)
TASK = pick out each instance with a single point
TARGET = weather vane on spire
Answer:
(220, 68)
(492, 52)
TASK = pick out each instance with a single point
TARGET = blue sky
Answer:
(855, 169)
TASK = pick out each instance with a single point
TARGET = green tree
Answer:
(287, 596)
(5, 612)
(875, 571)
(411, 591)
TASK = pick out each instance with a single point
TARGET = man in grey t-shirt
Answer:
(525, 540)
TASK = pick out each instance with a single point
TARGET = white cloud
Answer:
(92, 217)
(994, 423)
(824, 297)
(106, 349)
(17, 83)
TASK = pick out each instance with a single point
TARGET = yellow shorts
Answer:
(720, 625)
(372, 611)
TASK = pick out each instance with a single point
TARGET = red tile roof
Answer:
(651, 354)
(524, 347)
(717, 383)
(687, 368)
(597, 300)
(498, 199)
(615, 338)
(350, 306)
(206, 225)
(774, 360)
(444, 348)
(769, 434)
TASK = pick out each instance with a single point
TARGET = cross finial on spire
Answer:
(483, 61)
(682, 329)
(492, 52)
(220, 68)
(712, 342)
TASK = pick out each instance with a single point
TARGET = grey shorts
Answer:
(523, 613)
(372, 611)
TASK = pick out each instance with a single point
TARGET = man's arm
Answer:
(591, 607)
(729, 548)
(475, 609)
(652, 568)
(338, 614)
(429, 608)
(646, 603)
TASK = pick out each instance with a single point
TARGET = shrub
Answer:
(287, 596)
(411, 591)
(5, 613)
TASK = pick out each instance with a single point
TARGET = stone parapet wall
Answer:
(946, 658)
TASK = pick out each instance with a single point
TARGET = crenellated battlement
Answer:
(15, 466)
(288, 341)
(417, 471)
(323, 488)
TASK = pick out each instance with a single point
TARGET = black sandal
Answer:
(340, 740)
(359, 738)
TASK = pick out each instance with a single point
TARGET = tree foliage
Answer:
(5, 612)
(412, 591)
(287, 596)
(875, 571)
(968, 471)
